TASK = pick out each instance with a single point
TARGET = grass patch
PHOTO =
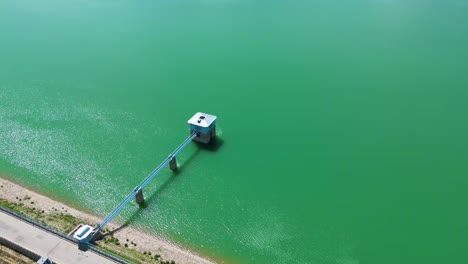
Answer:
(113, 245)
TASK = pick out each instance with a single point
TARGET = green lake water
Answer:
(342, 125)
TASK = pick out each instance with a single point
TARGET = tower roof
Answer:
(202, 119)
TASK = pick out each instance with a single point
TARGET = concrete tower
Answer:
(204, 125)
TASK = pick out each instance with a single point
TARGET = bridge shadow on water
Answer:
(214, 146)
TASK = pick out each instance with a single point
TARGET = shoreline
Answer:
(136, 239)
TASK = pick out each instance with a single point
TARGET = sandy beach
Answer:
(144, 242)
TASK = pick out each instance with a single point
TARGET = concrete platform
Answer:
(45, 243)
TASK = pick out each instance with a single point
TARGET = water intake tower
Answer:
(204, 125)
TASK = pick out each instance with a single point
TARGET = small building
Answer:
(83, 233)
(204, 125)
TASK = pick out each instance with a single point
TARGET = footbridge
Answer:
(202, 129)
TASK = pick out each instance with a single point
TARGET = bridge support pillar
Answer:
(173, 164)
(140, 199)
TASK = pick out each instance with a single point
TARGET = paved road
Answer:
(44, 243)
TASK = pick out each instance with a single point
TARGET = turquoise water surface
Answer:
(342, 125)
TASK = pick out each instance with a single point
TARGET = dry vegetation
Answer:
(8, 256)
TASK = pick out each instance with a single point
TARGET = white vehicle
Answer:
(83, 233)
